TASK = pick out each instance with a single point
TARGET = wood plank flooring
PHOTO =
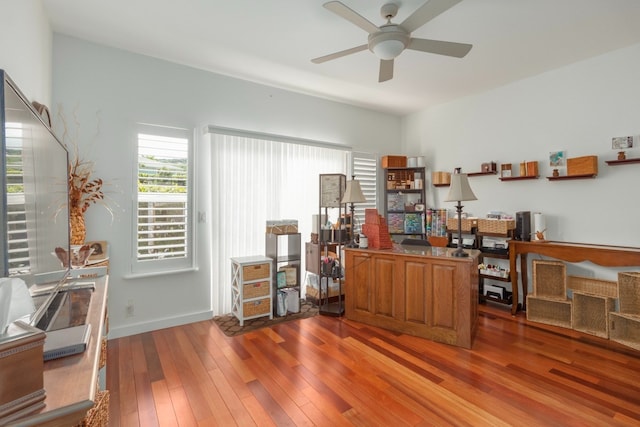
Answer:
(326, 371)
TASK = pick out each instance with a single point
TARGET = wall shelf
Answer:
(517, 178)
(621, 162)
(568, 177)
(441, 185)
(482, 173)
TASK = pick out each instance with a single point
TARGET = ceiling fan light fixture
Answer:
(389, 42)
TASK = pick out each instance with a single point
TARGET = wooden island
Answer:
(420, 291)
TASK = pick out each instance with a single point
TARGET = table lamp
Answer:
(353, 194)
(458, 192)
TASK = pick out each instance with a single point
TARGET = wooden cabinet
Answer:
(423, 292)
(251, 287)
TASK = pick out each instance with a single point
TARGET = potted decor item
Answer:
(83, 192)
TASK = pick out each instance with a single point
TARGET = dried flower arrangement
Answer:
(83, 189)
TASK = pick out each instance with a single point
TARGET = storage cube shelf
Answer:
(605, 288)
(549, 279)
(555, 312)
(590, 313)
(629, 292)
(625, 329)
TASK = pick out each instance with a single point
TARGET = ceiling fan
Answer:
(389, 40)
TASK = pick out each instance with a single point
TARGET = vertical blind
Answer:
(255, 180)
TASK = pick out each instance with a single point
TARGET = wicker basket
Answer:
(603, 288)
(98, 416)
(550, 311)
(254, 308)
(590, 313)
(629, 292)
(496, 226)
(255, 289)
(103, 353)
(625, 329)
(467, 223)
(255, 271)
(549, 279)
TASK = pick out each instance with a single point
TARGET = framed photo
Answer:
(557, 158)
(100, 251)
(622, 142)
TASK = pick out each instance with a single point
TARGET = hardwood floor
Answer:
(327, 371)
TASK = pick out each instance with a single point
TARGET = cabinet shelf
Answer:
(622, 162)
(517, 178)
(570, 177)
(498, 278)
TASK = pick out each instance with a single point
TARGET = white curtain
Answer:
(255, 180)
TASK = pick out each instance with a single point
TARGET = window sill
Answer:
(141, 275)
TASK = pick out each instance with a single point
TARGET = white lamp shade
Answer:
(353, 193)
(460, 189)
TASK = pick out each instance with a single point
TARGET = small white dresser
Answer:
(251, 287)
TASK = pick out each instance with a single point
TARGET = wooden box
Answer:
(21, 371)
(550, 311)
(590, 313)
(586, 165)
(441, 178)
(394, 162)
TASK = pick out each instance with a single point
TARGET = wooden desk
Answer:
(70, 382)
(420, 291)
(606, 256)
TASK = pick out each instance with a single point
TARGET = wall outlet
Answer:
(129, 312)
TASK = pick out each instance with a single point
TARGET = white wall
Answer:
(25, 47)
(579, 109)
(116, 89)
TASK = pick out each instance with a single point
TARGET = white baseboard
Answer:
(142, 327)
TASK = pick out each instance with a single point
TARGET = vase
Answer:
(78, 230)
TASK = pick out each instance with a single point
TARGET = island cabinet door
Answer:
(369, 286)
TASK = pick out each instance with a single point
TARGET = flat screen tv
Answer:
(34, 216)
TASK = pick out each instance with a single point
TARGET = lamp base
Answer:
(459, 253)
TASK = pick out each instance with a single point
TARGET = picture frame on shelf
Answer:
(557, 158)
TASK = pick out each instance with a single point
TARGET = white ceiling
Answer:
(272, 42)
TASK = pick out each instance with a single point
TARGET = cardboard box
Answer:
(394, 162)
(586, 165)
(284, 226)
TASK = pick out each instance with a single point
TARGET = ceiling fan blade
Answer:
(351, 16)
(457, 50)
(426, 13)
(386, 70)
(340, 54)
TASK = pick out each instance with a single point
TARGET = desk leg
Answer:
(524, 280)
(514, 280)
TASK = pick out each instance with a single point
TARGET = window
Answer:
(364, 168)
(163, 203)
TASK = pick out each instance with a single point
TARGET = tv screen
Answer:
(35, 202)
